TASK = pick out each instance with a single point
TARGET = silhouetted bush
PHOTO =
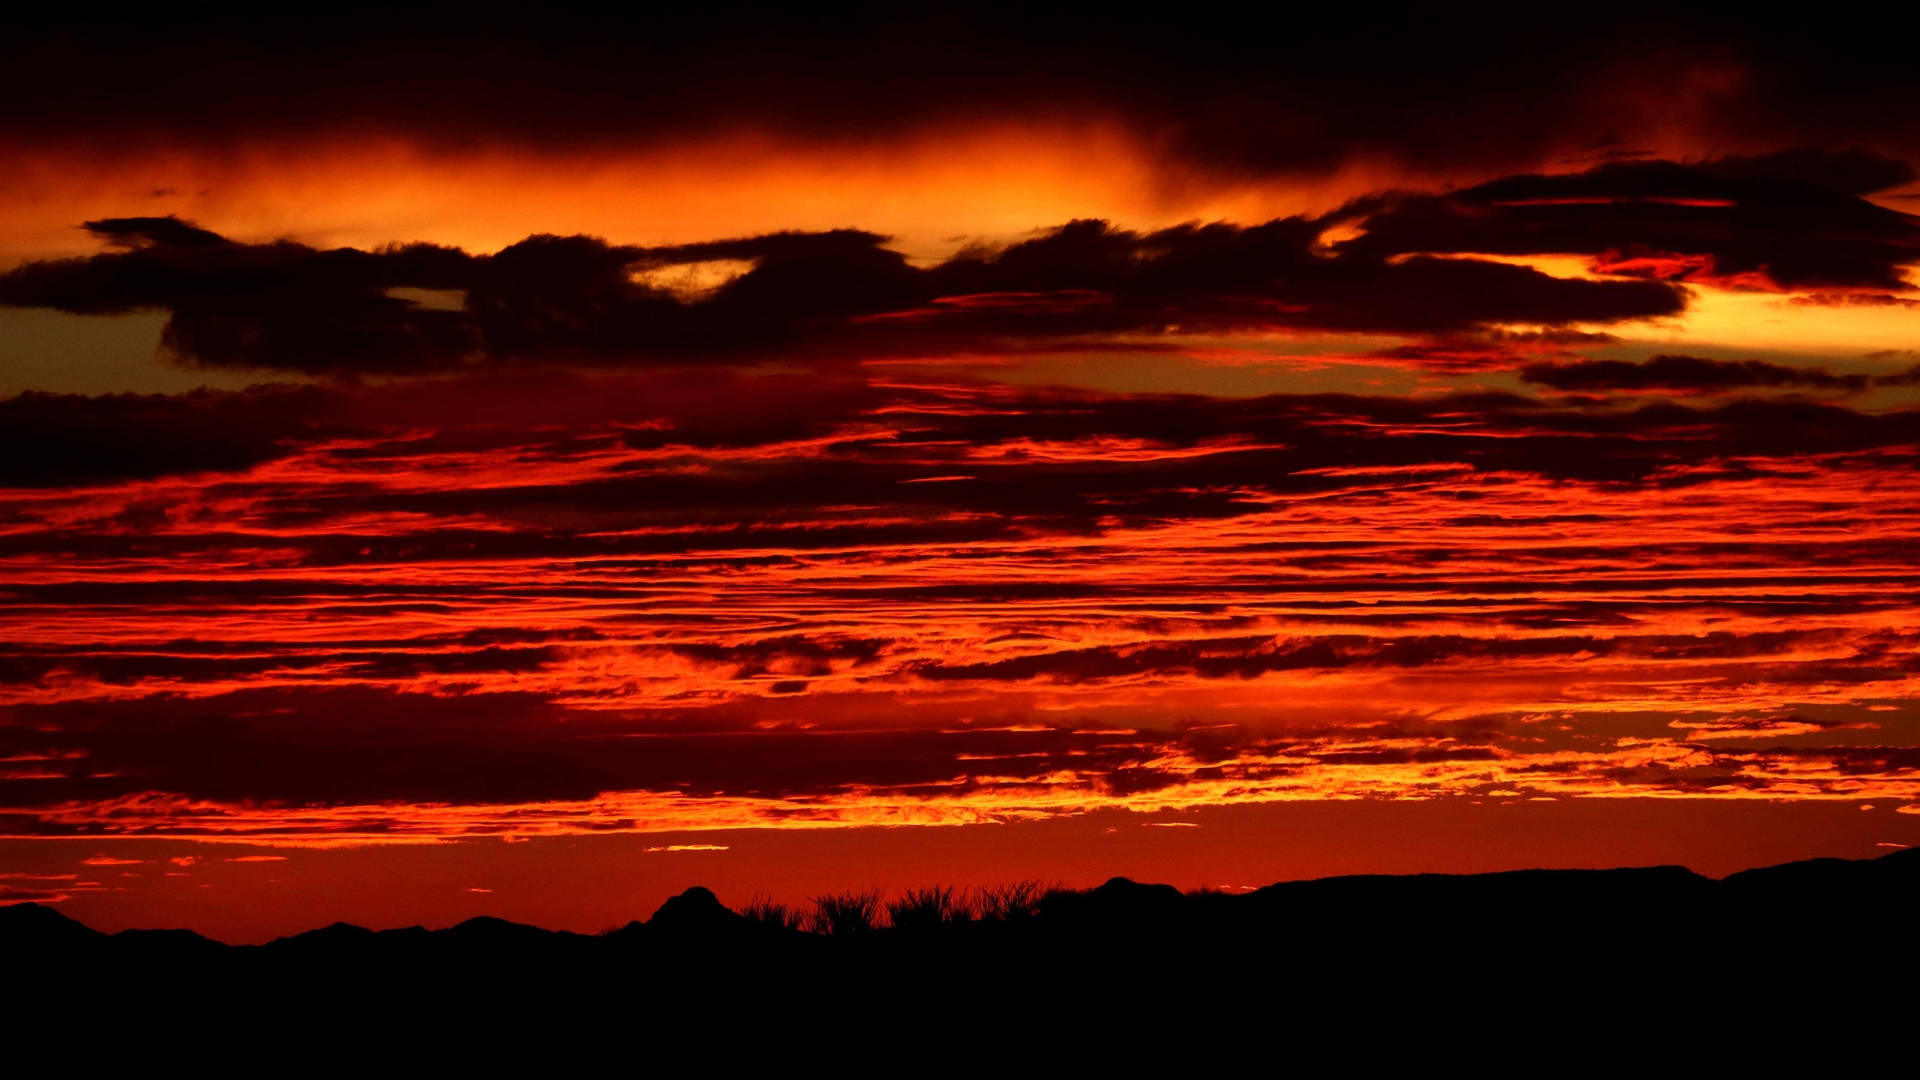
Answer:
(1019, 900)
(921, 909)
(847, 912)
(767, 911)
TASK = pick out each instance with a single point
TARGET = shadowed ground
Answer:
(1815, 950)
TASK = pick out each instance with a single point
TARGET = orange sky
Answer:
(933, 191)
(256, 893)
(966, 496)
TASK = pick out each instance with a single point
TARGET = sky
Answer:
(453, 466)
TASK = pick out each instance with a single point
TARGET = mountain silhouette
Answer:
(1534, 899)
(1825, 939)
(696, 911)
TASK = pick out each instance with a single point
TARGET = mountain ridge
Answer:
(697, 912)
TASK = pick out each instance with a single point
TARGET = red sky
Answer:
(541, 485)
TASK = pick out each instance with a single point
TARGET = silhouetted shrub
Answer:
(767, 911)
(847, 912)
(1019, 900)
(921, 909)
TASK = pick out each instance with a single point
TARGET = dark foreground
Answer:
(1819, 952)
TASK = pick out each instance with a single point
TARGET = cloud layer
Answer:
(1426, 266)
(1460, 490)
(685, 599)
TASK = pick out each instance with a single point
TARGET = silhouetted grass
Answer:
(847, 913)
(767, 911)
(863, 910)
(921, 909)
(1005, 903)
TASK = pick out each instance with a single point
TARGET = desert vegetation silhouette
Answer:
(926, 908)
(1535, 949)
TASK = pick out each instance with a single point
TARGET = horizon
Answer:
(962, 905)
(534, 464)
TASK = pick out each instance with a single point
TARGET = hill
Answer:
(1542, 949)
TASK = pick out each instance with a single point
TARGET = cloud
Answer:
(651, 589)
(1792, 220)
(491, 748)
(580, 300)
(10, 894)
(793, 529)
(1674, 373)
(1431, 90)
(1252, 657)
(713, 445)
(1789, 220)
(280, 305)
(1751, 727)
(139, 232)
(51, 440)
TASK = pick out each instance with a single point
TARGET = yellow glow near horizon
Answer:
(932, 192)
(1787, 321)
(1771, 322)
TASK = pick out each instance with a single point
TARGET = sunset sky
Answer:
(453, 466)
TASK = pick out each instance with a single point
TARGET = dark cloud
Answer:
(138, 232)
(1226, 277)
(613, 555)
(15, 894)
(52, 440)
(287, 306)
(1289, 442)
(1433, 89)
(1251, 657)
(307, 750)
(360, 745)
(790, 654)
(1795, 219)
(280, 305)
(1694, 374)
(1026, 461)
(402, 660)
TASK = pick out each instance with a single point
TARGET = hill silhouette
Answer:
(1550, 947)
(1364, 912)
